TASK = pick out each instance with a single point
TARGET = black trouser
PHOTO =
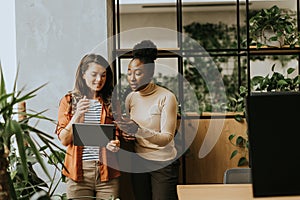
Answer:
(159, 184)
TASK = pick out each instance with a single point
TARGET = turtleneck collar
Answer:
(148, 90)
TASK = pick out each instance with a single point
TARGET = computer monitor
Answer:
(274, 138)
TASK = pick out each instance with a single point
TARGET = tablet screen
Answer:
(93, 134)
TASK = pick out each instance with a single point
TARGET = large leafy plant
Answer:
(14, 178)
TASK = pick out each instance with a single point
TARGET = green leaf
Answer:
(242, 161)
(257, 79)
(39, 133)
(37, 154)
(239, 118)
(16, 78)
(282, 82)
(29, 95)
(240, 141)
(273, 67)
(259, 45)
(37, 116)
(290, 70)
(43, 148)
(233, 154)
(56, 157)
(274, 38)
(12, 191)
(231, 136)
(16, 130)
(243, 90)
(2, 82)
(50, 144)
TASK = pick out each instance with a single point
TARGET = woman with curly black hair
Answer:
(152, 110)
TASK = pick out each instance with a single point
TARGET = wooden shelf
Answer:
(162, 53)
(265, 50)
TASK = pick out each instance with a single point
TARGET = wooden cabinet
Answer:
(211, 168)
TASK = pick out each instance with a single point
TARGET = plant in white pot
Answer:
(273, 27)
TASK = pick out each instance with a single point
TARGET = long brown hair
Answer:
(81, 89)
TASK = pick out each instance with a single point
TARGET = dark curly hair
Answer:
(145, 51)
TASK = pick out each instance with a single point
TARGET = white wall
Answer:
(8, 41)
(166, 20)
(51, 38)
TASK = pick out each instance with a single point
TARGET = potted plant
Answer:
(27, 147)
(276, 82)
(273, 27)
(271, 83)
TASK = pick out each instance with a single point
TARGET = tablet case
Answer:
(93, 134)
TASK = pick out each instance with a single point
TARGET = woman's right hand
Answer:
(81, 108)
(66, 135)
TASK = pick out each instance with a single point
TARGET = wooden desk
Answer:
(222, 192)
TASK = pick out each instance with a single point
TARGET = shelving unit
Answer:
(265, 50)
(180, 54)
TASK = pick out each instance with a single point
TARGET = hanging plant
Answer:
(273, 27)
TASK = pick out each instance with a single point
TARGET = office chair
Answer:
(237, 175)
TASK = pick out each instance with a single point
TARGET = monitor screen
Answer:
(274, 138)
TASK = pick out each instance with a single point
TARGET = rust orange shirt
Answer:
(73, 157)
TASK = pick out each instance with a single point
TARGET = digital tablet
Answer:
(93, 134)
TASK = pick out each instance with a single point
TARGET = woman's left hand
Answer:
(113, 145)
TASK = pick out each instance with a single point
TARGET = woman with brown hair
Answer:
(87, 168)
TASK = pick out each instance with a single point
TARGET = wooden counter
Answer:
(222, 192)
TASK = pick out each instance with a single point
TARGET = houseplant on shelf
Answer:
(24, 136)
(273, 27)
(212, 36)
(276, 82)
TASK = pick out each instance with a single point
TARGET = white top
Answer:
(93, 115)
